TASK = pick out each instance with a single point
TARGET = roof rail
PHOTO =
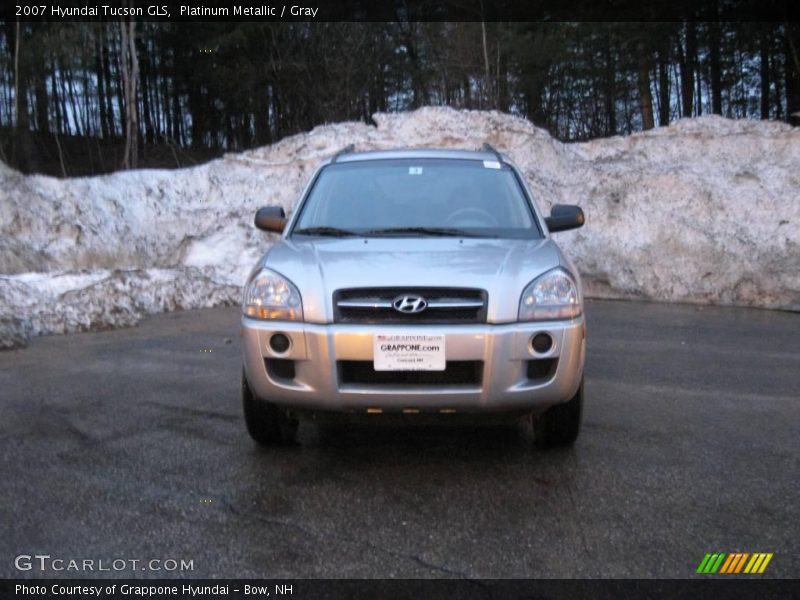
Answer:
(487, 147)
(346, 150)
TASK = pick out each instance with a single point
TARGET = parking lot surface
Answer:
(130, 444)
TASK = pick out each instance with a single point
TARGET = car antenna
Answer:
(487, 147)
(346, 150)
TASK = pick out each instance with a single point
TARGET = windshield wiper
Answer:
(432, 231)
(331, 231)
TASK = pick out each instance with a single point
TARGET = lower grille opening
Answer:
(457, 372)
(542, 369)
(279, 368)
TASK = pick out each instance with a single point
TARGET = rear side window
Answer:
(483, 198)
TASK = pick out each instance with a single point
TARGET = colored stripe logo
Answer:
(734, 563)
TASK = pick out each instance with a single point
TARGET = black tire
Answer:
(266, 423)
(560, 425)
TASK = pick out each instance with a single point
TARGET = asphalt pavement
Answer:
(130, 445)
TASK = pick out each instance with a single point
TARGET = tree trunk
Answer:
(663, 86)
(146, 69)
(80, 117)
(59, 123)
(42, 98)
(716, 69)
(645, 96)
(502, 81)
(262, 126)
(610, 95)
(119, 88)
(130, 80)
(62, 81)
(792, 76)
(533, 102)
(196, 113)
(105, 59)
(101, 85)
(488, 94)
(687, 62)
(764, 71)
(21, 150)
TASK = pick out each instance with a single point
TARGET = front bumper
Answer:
(503, 353)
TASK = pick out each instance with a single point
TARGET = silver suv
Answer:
(414, 282)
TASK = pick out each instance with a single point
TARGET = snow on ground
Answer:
(706, 210)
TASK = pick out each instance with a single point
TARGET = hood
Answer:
(320, 266)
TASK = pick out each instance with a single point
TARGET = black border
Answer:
(733, 587)
(441, 10)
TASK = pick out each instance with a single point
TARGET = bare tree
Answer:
(130, 80)
(21, 150)
(687, 60)
(715, 42)
(134, 94)
(645, 95)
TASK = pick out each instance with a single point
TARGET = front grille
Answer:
(457, 372)
(445, 306)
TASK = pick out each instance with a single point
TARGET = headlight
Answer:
(554, 295)
(271, 296)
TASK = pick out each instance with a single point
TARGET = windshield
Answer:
(435, 197)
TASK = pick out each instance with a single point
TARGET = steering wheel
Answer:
(472, 216)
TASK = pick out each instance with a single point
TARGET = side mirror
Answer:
(565, 216)
(271, 218)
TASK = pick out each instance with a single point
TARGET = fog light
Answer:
(279, 343)
(541, 342)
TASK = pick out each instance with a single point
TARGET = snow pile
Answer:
(706, 210)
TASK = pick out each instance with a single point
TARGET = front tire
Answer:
(560, 425)
(267, 424)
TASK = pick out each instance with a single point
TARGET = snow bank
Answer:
(705, 210)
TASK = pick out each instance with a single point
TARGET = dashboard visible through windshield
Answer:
(417, 197)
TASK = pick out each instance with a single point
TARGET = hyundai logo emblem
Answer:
(410, 304)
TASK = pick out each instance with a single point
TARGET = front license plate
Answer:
(408, 352)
